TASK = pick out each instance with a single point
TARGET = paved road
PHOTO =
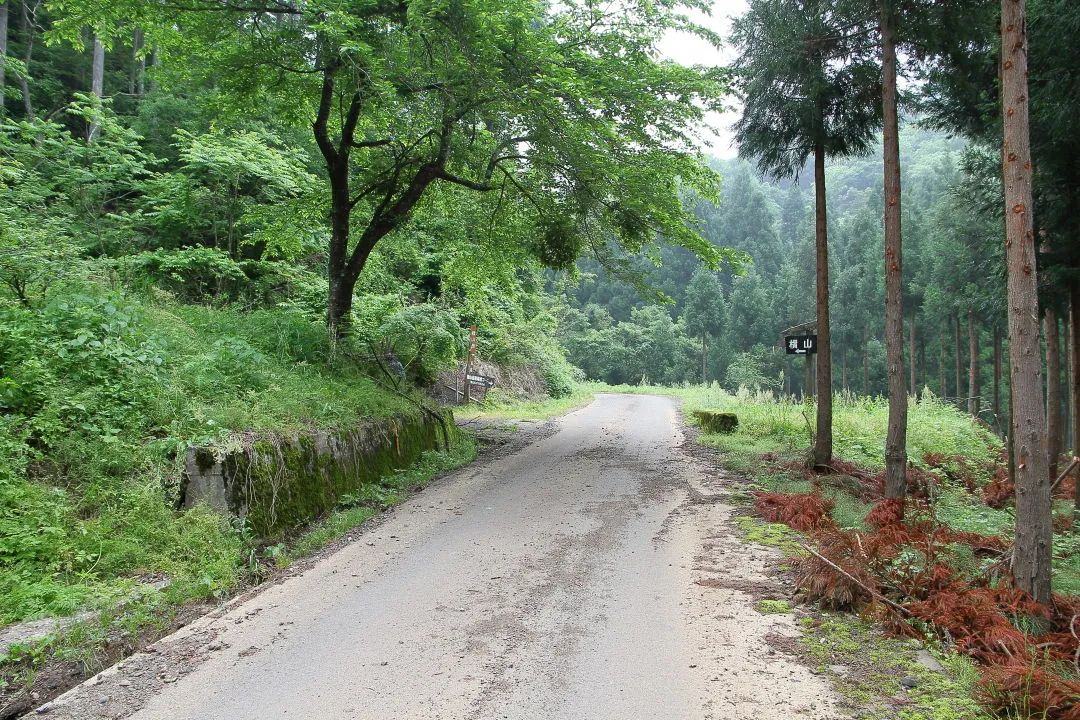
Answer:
(589, 575)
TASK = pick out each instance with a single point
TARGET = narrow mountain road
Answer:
(592, 574)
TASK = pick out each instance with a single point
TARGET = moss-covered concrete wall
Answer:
(278, 482)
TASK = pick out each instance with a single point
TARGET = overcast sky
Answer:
(689, 50)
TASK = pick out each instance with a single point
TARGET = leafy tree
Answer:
(563, 106)
(806, 84)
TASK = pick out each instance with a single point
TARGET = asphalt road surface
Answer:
(591, 574)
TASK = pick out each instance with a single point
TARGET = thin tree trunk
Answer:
(155, 61)
(704, 361)
(914, 381)
(1053, 391)
(97, 84)
(824, 443)
(925, 375)
(1067, 404)
(998, 425)
(959, 362)
(866, 362)
(943, 388)
(3, 49)
(29, 27)
(1034, 532)
(1074, 379)
(973, 365)
(843, 368)
(136, 83)
(896, 439)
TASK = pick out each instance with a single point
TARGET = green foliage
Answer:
(808, 79)
(101, 391)
(755, 370)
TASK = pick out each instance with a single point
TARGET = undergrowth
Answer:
(101, 394)
(937, 573)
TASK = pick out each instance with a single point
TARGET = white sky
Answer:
(689, 50)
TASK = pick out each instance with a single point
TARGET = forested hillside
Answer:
(952, 262)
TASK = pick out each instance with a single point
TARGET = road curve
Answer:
(589, 575)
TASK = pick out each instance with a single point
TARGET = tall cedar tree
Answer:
(1034, 530)
(704, 312)
(925, 28)
(896, 437)
(563, 108)
(809, 89)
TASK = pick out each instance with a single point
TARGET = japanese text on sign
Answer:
(801, 344)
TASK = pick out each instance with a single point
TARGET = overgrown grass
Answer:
(101, 393)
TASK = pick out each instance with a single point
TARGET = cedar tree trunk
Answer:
(896, 439)
(956, 355)
(913, 382)
(1034, 532)
(1053, 392)
(973, 365)
(997, 380)
(1074, 379)
(942, 387)
(823, 384)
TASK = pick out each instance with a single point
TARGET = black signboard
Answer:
(482, 380)
(801, 344)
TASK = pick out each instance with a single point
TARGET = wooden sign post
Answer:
(469, 363)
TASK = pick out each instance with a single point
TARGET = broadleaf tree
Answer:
(566, 106)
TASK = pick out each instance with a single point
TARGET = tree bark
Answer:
(1034, 532)
(1053, 392)
(843, 368)
(974, 402)
(824, 442)
(97, 84)
(3, 48)
(959, 362)
(896, 439)
(137, 81)
(866, 362)
(155, 61)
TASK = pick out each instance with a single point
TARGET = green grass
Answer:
(111, 390)
(497, 408)
(768, 423)
(773, 607)
(875, 665)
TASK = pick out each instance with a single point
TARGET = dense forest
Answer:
(751, 305)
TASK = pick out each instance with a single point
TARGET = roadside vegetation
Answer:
(939, 572)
